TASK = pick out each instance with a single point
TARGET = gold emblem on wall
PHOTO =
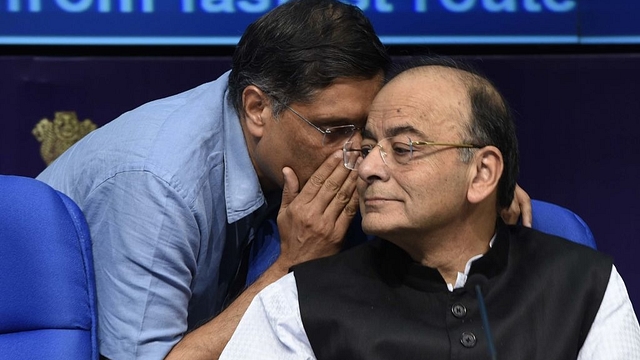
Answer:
(58, 135)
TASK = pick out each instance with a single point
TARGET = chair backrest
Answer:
(559, 221)
(47, 284)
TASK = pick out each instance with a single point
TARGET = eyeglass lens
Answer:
(337, 134)
(400, 151)
(351, 155)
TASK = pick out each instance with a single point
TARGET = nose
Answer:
(383, 154)
(374, 167)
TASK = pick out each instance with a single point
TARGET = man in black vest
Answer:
(437, 162)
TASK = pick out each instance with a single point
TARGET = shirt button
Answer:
(468, 340)
(459, 311)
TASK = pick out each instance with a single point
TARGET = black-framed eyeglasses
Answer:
(402, 150)
(331, 135)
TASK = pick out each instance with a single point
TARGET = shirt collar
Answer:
(461, 279)
(243, 194)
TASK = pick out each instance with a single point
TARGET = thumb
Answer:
(291, 187)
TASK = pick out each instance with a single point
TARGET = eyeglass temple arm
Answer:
(445, 144)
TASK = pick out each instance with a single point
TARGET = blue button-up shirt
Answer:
(159, 187)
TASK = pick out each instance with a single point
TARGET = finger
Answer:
(348, 212)
(511, 214)
(524, 202)
(336, 189)
(318, 179)
(343, 196)
(291, 187)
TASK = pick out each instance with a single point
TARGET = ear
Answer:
(254, 103)
(486, 170)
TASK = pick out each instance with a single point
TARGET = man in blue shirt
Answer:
(175, 190)
(171, 189)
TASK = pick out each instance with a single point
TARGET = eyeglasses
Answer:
(332, 135)
(403, 150)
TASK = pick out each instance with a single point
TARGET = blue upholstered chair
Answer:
(47, 286)
(556, 220)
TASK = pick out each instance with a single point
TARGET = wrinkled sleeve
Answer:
(615, 333)
(271, 329)
(145, 241)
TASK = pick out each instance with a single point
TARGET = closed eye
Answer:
(402, 149)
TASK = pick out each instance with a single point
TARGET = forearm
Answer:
(208, 341)
(311, 225)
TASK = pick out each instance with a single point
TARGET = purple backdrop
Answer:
(577, 121)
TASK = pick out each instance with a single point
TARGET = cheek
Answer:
(430, 201)
(423, 191)
(418, 197)
(361, 186)
(306, 160)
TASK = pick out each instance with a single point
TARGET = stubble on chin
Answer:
(372, 224)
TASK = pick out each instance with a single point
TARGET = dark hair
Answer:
(491, 120)
(301, 47)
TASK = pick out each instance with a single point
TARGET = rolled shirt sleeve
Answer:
(144, 262)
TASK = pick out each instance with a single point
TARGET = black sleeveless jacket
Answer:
(373, 302)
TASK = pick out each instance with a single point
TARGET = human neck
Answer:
(449, 250)
(266, 184)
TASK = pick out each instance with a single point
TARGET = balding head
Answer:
(483, 117)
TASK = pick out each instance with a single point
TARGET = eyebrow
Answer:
(395, 131)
